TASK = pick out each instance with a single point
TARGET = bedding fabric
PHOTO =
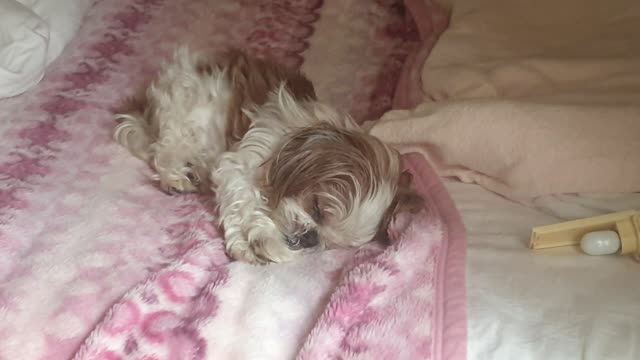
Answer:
(530, 98)
(380, 304)
(33, 33)
(556, 304)
(23, 48)
(97, 263)
(522, 149)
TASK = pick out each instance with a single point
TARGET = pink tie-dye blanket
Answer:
(97, 263)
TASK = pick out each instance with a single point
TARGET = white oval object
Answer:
(600, 242)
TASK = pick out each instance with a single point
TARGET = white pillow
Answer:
(24, 39)
(33, 33)
(63, 17)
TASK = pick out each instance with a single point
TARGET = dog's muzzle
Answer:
(305, 240)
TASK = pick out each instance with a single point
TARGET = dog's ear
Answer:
(406, 200)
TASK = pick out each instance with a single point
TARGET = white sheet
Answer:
(33, 33)
(557, 304)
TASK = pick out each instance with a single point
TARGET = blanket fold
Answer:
(524, 149)
(527, 98)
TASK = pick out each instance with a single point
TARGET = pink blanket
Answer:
(96, 261)
(404, 302)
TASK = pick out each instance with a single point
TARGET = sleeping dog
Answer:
(290, 174)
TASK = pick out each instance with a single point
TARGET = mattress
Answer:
(551, 304)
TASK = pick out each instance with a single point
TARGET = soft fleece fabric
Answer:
(97, 262)
(406, 302)
(529, 98)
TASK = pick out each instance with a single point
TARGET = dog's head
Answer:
(331, 187)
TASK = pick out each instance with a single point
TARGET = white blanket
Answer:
(32, 34)
(555, 304)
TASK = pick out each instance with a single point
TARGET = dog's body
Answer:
(195, 110)
(289, 173)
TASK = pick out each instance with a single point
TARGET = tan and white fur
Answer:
(290, 174)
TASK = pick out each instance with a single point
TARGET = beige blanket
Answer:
(523, 149)
(531, 98)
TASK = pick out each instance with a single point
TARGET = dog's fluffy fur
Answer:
(290, 174)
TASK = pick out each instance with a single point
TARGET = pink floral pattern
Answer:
(96, 263)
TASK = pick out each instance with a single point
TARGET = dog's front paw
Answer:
(181, 179)
(262, 246)
(268, 244)
(244, 252)
(177, 186)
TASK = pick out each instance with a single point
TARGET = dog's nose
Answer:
(309, 239)
(303, 241)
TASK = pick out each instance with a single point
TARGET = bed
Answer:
(96, 263)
